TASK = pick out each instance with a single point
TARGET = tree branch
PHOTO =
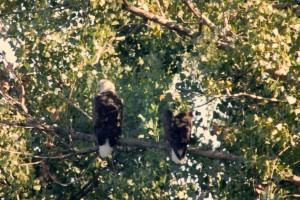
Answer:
(13, 101)
(77, 107)
(125, 142)
(242, 94)
(130, 142)
(136, 29)
(293, 179)
(286, 6)
(159, 7)
(291, 195)
(200, 17)
(225, 38)
(60, 7)
(160, 20)
(142, 143)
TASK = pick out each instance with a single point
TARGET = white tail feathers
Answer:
(175, 159)
(105, 150)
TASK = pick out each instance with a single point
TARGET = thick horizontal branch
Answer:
(142, 143)
(132, 142)
(160, 20)
(126, 142)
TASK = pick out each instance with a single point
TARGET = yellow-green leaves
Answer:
(291, 99)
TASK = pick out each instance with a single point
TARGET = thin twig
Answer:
(207, 102)
(88, 187)
(292, 195)
(159, 7)
(270, 185)
(75, 180)
(202, 18)
(32, 163)
(223, 39)
(77, 107)
(186, 22)
(130, 34)
(13, 101)
(36, 11)
(62, 156)
(242, 94)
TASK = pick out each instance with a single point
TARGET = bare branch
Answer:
(122, 38)
(126, 142)
(59, 156)
(286, 6)
(20, 125)
(130, 142)
(160, 20)
(77, 107)
(224, 45)
(87, 187)
(13, 101)
(271, 186)
(142, 143)
(186, 22)
(291, 195)
(200, 17)
(293, 179)
(82, 176)
(21, 102)
(242, 94)
(159, 7)
(60, 7)
(32, 163)
(225, 38)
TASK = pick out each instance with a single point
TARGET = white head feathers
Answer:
(105, 85)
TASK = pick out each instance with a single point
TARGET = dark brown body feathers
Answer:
(107, 117)
(178, 131)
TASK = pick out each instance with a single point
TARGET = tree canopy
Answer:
(239, 59)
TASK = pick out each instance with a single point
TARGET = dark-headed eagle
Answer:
(107, 116)
(178, 132)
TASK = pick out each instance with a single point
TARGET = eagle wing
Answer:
(178, 131)
(107, 117)
(182, 128)
(168, 120)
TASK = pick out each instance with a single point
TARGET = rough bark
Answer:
(160, 20)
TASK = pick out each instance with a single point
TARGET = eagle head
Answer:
(105, 85)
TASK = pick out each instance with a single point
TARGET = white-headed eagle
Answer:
(107, 116)
(178, 132)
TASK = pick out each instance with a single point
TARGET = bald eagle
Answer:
(107, 116)
(178, 133)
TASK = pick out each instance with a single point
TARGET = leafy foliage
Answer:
(246, 59)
